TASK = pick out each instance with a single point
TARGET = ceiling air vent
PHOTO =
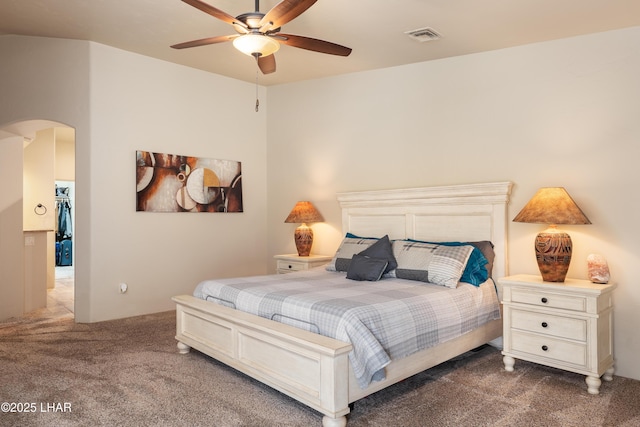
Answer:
(423, 34)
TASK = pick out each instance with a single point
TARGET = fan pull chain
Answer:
(257, 100)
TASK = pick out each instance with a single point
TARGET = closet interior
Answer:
(64, 228)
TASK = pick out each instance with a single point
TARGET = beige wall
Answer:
(562, 113)
(39, 213)
(38, 183)
(11, 237)
(139, 103)
(48, 79)
(65, 154)
(118, 103)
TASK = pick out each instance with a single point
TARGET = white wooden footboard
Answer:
(310, 368)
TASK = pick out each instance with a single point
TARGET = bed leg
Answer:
(334, 422)
(183, 348)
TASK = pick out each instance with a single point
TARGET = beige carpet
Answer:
(128, 373)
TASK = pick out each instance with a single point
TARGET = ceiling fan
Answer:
(259, 34)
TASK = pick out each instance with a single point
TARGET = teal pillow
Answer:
(354, 236)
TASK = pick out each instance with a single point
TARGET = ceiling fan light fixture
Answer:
(252, 44)
(258, 34)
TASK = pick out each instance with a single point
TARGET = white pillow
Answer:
(429, 262)
(348, 248)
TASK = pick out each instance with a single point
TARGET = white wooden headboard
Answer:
(468, 212)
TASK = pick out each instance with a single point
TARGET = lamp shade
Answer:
(552, 205)
(304, 212)
(256, 45)
(553, 248)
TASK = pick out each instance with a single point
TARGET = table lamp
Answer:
(304, 212)
(552, 206)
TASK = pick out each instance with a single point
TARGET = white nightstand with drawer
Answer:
(293, 262)
(565, 325)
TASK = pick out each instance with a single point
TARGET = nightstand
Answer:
(293, 262)
(563, 325)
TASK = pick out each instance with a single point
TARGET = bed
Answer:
(315, 369)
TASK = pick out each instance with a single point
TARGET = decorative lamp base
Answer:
(553, 254)
(304, 239)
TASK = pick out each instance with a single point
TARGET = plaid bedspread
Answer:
(383, 320)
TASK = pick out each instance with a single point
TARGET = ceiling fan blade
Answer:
(285, 11)
(267, 64)
(313, 44)
(216, 13)
(204, 42)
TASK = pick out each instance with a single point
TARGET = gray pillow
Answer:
(382, 249)
(366, 268)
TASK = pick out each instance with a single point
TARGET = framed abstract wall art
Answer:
(175, 183)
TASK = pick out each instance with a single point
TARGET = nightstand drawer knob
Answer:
(545, 348)
(290, 266)
(544, 300)
(544, 324)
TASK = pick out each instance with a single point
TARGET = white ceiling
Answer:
(374, 29)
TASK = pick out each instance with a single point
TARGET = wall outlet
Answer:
(123, 288)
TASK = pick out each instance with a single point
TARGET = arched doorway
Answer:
(30, 184)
